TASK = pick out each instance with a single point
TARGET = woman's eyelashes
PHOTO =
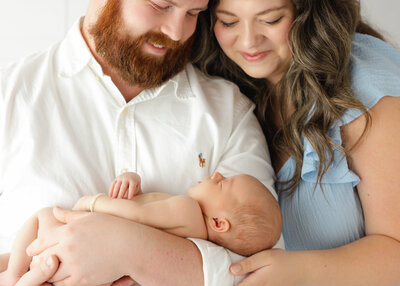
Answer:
(229, 24)
(272, 22)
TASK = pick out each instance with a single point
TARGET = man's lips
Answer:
(254, 57)
(155, 49)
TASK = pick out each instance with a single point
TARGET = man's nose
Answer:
(174, 28)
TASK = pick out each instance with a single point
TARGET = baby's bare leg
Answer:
(19, 261)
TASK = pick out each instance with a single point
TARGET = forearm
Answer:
(159, 258)
(127, 209)
(373, 260)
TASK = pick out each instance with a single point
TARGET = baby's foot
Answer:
(7, 279)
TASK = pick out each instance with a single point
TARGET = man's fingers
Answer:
(66, 216)
(39, 275)
(4, 261)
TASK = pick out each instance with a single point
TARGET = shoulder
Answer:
(216, 88)
(24, 74)
(374, 72)
(374, 69)
(185, 204)
(384, 116)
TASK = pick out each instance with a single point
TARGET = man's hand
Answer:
(80, 243)
(83, 204)
(126, 185)
(38, 276)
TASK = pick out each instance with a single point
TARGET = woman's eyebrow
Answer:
(270, 10)
(266, 11)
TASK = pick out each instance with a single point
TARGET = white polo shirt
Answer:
(66, 131)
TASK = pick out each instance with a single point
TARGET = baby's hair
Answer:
(255, 226)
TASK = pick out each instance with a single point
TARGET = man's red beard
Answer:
(124, 54)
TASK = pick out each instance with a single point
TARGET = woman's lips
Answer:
(254, 57)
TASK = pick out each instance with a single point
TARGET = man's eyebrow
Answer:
(258, 14)
(173, 3)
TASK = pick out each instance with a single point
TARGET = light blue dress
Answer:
(313, 219)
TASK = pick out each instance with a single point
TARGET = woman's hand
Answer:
(273, 267)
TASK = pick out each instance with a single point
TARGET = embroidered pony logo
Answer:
(202, 161)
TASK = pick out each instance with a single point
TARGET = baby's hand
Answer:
(126, 185)
(83, 204)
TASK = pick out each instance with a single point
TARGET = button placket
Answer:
(126, 141)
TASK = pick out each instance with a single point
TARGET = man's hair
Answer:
(255, 226)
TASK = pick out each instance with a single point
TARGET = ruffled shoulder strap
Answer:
(375, 72)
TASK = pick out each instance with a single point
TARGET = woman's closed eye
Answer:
(227, 24)
(272, 22)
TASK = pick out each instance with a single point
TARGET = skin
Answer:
(375, 160)
(71, 242)
(254, 35)
(176, 19)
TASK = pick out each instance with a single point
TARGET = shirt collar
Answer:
(75, 56)
(178, 85)
(74, 52)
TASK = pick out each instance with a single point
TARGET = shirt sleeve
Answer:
(246, 151)
(216, 262)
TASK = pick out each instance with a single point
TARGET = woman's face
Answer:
(254, 34)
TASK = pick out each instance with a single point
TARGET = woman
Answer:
(328, 99)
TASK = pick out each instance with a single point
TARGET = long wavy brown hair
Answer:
(316, 82)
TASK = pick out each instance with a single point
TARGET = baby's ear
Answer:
(219, 224)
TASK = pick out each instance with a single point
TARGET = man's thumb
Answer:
(66, 216)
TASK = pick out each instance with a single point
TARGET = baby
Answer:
(238, 213)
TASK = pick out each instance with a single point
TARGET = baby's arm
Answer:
(126, 185)
(179, 215)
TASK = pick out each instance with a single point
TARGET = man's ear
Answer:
(219, 224)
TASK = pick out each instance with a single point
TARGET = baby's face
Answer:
(217, 194)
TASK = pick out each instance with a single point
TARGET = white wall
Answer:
(30, 25)
(385, 16)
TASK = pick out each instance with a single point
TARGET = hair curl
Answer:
(316, 82)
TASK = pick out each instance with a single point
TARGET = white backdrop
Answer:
(30, 25)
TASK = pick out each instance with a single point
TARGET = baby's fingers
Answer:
(116, 189)
(111, 191)
(123, 189)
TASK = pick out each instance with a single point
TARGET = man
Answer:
(117, 95)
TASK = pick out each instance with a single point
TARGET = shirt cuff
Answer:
(216, 262)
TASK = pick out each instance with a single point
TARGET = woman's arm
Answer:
(374, 259)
